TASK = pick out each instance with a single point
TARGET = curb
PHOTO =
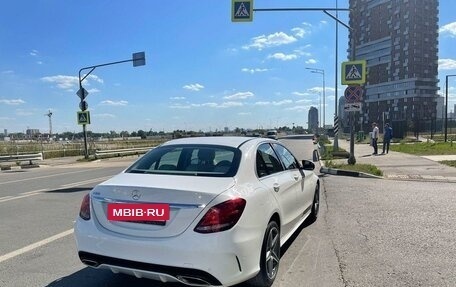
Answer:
(341, 172)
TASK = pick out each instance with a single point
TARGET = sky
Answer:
(202, 72)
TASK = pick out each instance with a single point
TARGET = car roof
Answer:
(231, 141)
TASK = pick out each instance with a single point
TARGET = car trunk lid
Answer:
(187, 196)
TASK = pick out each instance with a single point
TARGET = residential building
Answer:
(399, 41)
(312, 120)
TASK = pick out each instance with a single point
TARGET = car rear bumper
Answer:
(223, 258)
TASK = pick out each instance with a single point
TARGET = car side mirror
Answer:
(308, 165)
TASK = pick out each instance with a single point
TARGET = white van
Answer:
(272, 134)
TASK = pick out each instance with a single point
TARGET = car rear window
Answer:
(190, 160)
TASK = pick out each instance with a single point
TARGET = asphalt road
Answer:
(369, 233)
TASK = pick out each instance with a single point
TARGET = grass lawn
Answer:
(425, 148)
(366, 168)
(449, 162)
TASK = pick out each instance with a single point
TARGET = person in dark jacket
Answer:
(387, 136)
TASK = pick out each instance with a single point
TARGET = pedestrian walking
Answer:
(375, 138)
(387, 136)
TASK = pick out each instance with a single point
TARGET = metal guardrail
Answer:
(121, 152)
(21, 157)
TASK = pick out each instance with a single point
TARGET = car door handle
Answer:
(276, 187)
(296, 177)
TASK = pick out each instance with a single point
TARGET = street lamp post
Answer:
(321, 72)
(138, 59)
(446, 105)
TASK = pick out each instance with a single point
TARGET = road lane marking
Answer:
(46, 176)
(35, 245)
(35, 191)
(40, 191)
(22, 195)
(86, 182)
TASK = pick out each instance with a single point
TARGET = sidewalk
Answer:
(396, 165)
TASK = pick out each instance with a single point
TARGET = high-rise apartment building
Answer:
(312, 119)
(399, 40)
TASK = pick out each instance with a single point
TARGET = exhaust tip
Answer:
(91, 263)
(192, 281)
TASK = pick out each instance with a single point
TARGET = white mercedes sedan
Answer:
(208, 211)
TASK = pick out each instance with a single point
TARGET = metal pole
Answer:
(319, 112)
(84, 130)
(352, 159)
(324, 100)
(336, 135)
(92, 68)
(446, 108)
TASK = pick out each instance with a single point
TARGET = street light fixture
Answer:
(446, 105)
(138, 59)
(321, 72)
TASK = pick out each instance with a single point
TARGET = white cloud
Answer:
(298, 108)
(447, 64)
(7, 119)
(274, 103)
(224, 105)
(304, 101)
(283, 57)
(300, 94)
(449, 29)
(324, 22)
(272, 40)
(193, 87)
(8, 72)
(104, 116)
(239, 96)
(316, 90)
(34, 53)
(23, 113)
(70, 82)
(14, 102)
(255, 70)
(177, 98)
(94, 90)
(39, 62)
(311, 61)
(301, 32)
(179, 106)
(230, 105)
(113, 103)
(298, 32)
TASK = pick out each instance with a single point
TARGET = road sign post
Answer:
(138, 59)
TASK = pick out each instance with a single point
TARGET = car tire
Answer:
(315, 205)
(269, 257)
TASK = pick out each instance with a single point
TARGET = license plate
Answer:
(142, 212)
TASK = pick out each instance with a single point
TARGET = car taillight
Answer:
(222, 216)
(84, 212)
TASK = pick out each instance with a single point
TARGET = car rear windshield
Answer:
(190, 160)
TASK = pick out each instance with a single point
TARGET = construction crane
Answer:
(49, 114)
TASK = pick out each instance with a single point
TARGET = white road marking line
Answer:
(22, 195)
(46, 176)
(35, 245)
(40, 191)
(18, 197)
(85, 182)
(35, 191)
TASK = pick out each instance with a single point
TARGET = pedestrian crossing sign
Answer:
(84, 118)
(241, 11)
(354, 72)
